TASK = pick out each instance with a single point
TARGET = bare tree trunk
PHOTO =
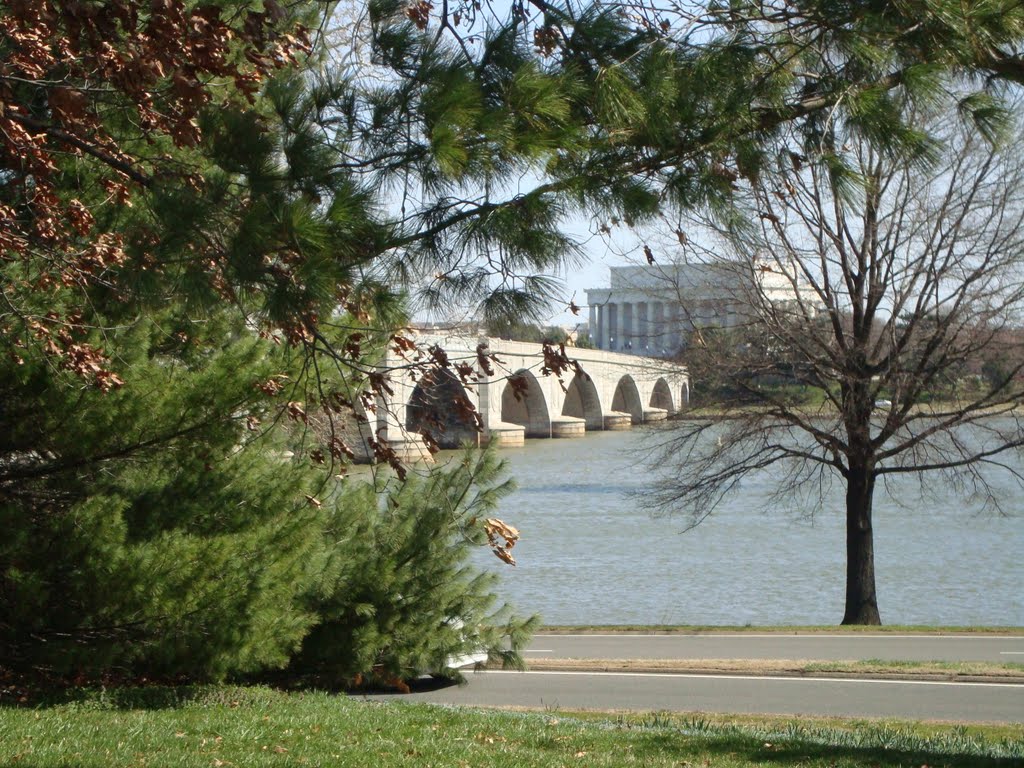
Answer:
(861, 601)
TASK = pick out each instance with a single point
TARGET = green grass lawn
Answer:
(225, 726)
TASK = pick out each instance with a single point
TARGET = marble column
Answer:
(643, 330)
(593, 328)
(659, 345)
(613, 338)
(626, 326)
(673, 321)
(681, 327)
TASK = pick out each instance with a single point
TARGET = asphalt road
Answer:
(969, 702)
(929, 700)
(774, 646)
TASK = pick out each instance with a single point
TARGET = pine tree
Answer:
(399, 597)
(147, 275)
(149, 529)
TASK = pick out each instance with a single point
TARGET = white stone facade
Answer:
(652, 310)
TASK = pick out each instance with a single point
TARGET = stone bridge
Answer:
(515, 402)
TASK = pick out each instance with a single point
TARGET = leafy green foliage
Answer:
(147, 532)
(161, 530)
(147, 528)
(399, 597)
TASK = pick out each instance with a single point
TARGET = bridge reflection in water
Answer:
(514, 402)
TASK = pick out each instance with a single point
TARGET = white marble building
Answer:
(652, 310)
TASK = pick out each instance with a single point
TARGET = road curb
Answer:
(539, 665)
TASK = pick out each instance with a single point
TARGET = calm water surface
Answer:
(592, 552)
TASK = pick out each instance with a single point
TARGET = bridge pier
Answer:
(410, 448)
(568, 426)
(504, 435)
(617, 421)
(655, 414)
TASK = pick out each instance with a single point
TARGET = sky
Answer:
(623, 247)
(592, 273)
(599, 253)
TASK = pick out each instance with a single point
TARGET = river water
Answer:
(592, 552)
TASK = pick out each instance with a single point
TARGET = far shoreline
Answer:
(713, 413)
(711, 629)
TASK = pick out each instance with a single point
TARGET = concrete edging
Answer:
(541, 665)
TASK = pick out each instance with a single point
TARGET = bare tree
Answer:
(906, 277)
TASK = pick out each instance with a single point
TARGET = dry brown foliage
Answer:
(73, 67)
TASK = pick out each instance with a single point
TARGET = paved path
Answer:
(970, 702)
(776, 646)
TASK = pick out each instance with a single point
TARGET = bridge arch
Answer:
(661, 396)
(627, 399)
(583, 401)
(523, 402)
(441, 407)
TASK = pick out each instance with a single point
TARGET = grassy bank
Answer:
(696, 629)
(877, 668)
(222, 727)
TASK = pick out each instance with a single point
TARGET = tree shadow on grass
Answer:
(161, 696)
(426, 684)
(151, 697)
(802, 752)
